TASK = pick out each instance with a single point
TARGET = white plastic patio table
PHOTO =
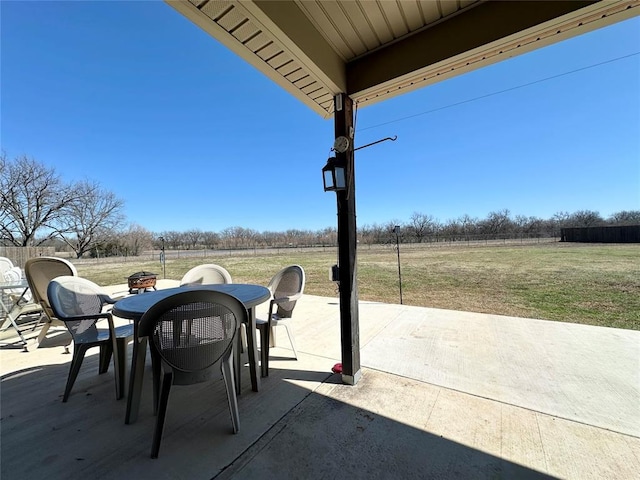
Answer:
(134, 307)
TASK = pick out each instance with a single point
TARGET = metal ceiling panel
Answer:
(375, 18)
(361, 26)
(394, 18)
(448, 8)
(332, 33)
(431, 11)
(412, 15)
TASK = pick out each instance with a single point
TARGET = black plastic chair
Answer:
(190, 334)
(79, 303)
(286, 287)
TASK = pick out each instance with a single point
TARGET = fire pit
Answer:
(141, 281)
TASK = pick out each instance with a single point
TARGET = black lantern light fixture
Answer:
(333, 175)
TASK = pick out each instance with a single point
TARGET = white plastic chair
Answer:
(208, 273)
(287, 286)
(39, 272)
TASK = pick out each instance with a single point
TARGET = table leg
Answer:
(253, 350)
(237, 357)
(135, 379)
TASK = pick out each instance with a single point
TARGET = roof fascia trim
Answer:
(298, 36)
(590, 18)
(452, 38)
(192, 13)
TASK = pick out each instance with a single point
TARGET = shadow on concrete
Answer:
(287, 431)
(328, 435)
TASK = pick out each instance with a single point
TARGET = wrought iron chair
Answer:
(287, 286)
(206, 274)
(190, 334)
(79, 303)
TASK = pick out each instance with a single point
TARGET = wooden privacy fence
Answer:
(19, 255)
(621, 234)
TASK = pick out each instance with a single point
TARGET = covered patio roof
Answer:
(374, 50)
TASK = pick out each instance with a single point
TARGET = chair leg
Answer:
(43, 332)
(156, 369)
(272, 336)
(227, 375)
(243, 338)
(264, 349)
(237, 371)
(162, 412)
(38, 322)
(120, 365)
(291, 339)
(76, 362)
(106, 350)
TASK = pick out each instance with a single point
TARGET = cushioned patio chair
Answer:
(79, 303)
(190, 334)
(39, 272)
(286, 287)
(208, 273)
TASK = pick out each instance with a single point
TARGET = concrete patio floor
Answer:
(444, 394)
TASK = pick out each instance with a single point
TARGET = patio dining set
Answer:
(194, 331)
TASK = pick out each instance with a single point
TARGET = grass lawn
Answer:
(595, 284)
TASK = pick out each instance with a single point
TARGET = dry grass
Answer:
(579, 283)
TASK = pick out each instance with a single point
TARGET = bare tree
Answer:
(468, 224)
(452, 230)
(497, 223)
(91, 218)
(193, 238)
(388, 233)
(585, 218)
(173, 238)
(237, 237)
(625, 217)
(562, 219)
(210, 239)
(366, 234)
(421, 225)
(32, 200)
(136, 239)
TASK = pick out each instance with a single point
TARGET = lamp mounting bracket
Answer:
(393, 139)
(341, 144)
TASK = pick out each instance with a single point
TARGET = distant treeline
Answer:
(420, 228)
(40, 209)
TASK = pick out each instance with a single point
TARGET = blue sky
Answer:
(135, 96)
